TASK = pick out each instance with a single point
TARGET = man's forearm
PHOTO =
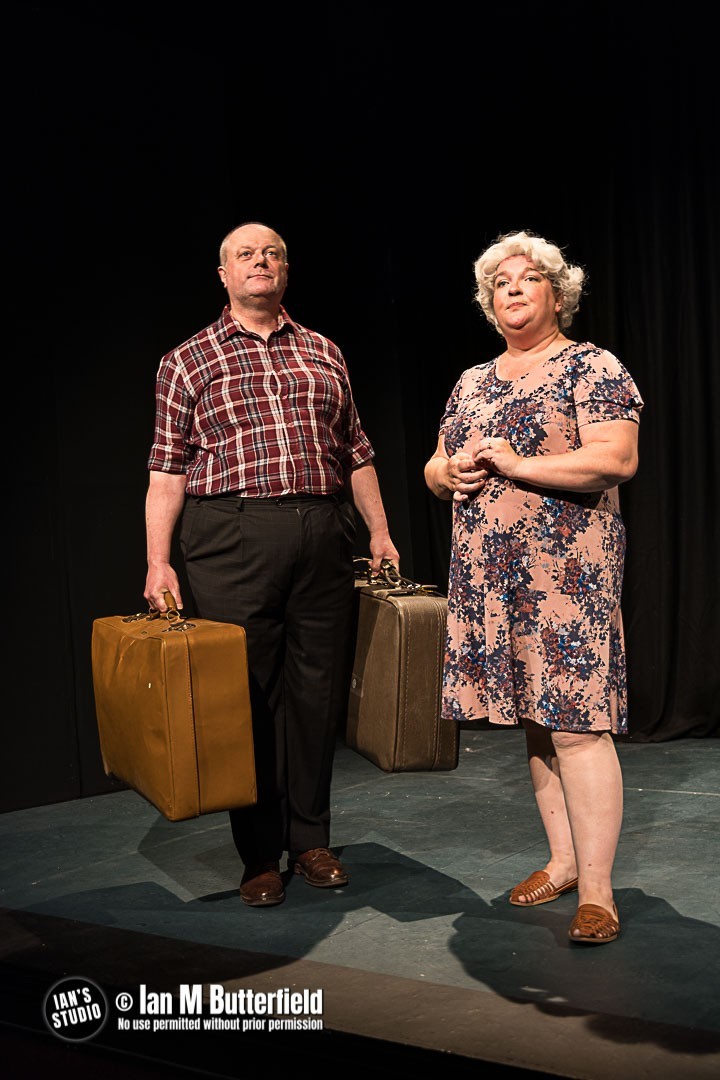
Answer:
(363, 483)
(164, 503)
(365, 491)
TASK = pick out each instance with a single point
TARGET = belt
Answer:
(279, 500)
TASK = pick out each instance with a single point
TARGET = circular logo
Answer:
(75, 1009)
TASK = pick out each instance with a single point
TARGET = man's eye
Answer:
(271, 253)
(244, 254)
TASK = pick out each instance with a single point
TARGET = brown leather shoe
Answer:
(321, 868)
(262, 885)
(594, 925)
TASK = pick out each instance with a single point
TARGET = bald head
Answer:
(239, 235)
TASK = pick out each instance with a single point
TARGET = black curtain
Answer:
(388, 146)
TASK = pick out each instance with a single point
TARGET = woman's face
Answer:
(523, 297)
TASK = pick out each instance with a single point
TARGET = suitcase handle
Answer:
(172, 608)
(389, 578)
(171, 616)
(153, 613)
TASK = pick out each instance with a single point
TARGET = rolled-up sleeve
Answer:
(358, 448)
(171, 450)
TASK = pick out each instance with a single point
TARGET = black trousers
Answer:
(282, 568)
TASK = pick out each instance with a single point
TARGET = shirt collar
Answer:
(228, 327)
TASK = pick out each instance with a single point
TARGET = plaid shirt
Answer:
(238, 414)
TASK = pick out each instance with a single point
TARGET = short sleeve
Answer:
(604, 389)
(451, 406)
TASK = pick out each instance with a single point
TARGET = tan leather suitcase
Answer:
(173, 710)
(395, 689)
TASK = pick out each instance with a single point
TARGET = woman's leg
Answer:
(550, 799)
(592, 784)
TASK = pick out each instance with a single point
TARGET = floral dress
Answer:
(534, 626)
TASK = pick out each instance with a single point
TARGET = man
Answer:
(259, 448)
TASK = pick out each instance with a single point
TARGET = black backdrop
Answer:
(388, 146)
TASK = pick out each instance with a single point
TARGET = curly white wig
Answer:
(566, 280)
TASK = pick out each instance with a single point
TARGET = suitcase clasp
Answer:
(182, 626)
(389, 577)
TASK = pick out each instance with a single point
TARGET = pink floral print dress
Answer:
(534, 622)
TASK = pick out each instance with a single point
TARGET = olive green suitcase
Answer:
(396, 684)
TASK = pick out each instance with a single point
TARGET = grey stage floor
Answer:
(421, 960)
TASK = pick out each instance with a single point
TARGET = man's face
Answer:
(255, 267)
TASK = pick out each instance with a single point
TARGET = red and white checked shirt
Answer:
(238, 414)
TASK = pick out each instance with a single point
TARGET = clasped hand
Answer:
(464, 476)
(467, 472)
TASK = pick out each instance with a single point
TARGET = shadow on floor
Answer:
(524, 956)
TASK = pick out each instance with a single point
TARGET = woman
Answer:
(532, 447)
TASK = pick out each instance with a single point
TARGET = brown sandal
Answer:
(541, 888)
(596, 925)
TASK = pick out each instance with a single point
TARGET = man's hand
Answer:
(382, 547)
